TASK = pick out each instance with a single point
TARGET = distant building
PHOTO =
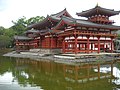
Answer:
(64, 33)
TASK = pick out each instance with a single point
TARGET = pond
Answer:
(26, 74)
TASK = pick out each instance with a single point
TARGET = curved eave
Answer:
(59, 14)
(37, 24)
(32, 31)
(88, 24)
(83, 23)
(62, 23)
(98, 10)
(44, 23)
(21, 38)
(55, 19)
(48, 32)
(99, 26)
(58, 25)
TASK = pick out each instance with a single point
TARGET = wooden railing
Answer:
(95, 33)
(101, 20)
(72, 32)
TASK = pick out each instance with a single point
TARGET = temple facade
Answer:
(70, 35)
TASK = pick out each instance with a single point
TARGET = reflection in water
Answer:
(87, 72)
(116, 73)
(6, 78)
(24, 74)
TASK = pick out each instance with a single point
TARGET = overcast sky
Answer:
(15, 9)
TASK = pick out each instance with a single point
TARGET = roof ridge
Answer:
(93, 11)
(58, 12)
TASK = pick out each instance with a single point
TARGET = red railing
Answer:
(85, 32)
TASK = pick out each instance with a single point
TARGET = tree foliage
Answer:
(119, 36)
(33, 20)
(2, 30)
(19, 27)
(4, 41)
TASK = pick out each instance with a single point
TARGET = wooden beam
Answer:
(63, 45)
(112, 45)
(88, 44)
(98, 44)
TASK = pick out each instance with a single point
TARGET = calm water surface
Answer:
(24, 74)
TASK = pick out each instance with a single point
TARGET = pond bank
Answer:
(93, 57)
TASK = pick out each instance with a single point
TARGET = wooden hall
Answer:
(64, 33)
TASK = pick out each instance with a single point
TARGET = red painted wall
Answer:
(49, 42)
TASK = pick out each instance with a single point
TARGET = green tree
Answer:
(2, 29)
(33, 20)
(9, 32)
(4, 41)
(119, 36)
(6, 36)
(19, 26)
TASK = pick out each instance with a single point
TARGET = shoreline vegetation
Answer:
(18, 28)
(70, 58)
(5, 50)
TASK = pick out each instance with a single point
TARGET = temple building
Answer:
(66, 34)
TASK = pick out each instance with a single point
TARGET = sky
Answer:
(12, 10)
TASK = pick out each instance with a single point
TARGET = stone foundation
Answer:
(46, 51)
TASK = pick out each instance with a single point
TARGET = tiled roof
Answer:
(54, 17)
(62, 13)
(32, 31)
(98, 11)
(22, 38)
(86, 23)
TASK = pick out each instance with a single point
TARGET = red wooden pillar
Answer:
(91, 47)
(104, 44)
(112, 45)
(98, 44)
(75, 40)
(88, 44)
(41, 38)
(85, 48)
(79, 46)
(76, 51)
(63, 45)
(67, 45)
(51, 42)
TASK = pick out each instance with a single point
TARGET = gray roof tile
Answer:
(22, 38)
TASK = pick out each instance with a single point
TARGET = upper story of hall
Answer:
(99, 15)
(98, 22)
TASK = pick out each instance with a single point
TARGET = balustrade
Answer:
(101, 19)
(87, 33)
